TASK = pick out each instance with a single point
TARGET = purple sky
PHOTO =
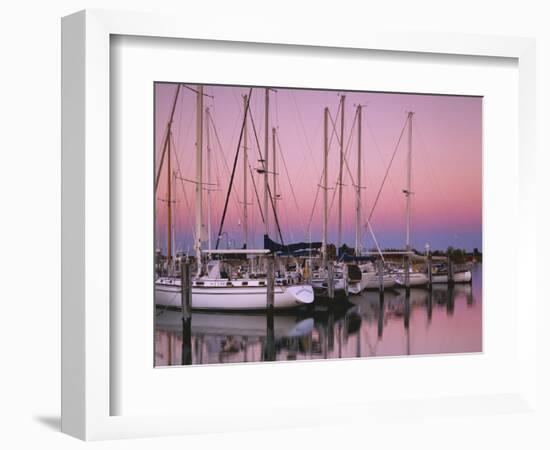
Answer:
(446, 173)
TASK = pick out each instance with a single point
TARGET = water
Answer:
(443, 321)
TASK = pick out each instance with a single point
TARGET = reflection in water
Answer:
(444, 320)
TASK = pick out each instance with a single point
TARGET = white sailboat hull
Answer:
(370, 281)
(234, 298)
(459, 277)
(415, 279)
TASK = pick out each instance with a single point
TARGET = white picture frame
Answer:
(86, 244)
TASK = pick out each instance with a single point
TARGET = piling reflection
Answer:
(420, 321)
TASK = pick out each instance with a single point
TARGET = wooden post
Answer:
(429, 306)
(330, 279)
(450, 272)
(270, 283)
(186, 305)
(186, 291)
(307, 277)
(450, 300)
(407, 312)
(429, 263)
(380, 265)
(381, 316)
(269, 346)
(407, 268)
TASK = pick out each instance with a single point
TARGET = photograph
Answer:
(302, 223)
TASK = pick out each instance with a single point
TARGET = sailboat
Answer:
(441, 276)
(319, 281)
(217, 286)
(365, 276)
(408, 275)
(320, 277)
(225, 287)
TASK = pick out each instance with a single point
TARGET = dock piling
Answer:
(307, 271)
(270, 283)
(270, 352)
(407, 270)
(450, 272)
(380, 265)
(186, 305)
(186, 292)
(330, 279)
(429, 269)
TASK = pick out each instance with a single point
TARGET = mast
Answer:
(266, 164)
(209, 179)
(245, 177)
(340, 173)
(198, 185)
(325, 189)
(408, 188)
(167, 137)
(274, 149)
(169, 197)
(358, 187)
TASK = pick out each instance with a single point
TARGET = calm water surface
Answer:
(442, 321)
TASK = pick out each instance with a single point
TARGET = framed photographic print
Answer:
(252, 214)
(243, 205)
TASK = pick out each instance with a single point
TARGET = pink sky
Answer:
(446, 174)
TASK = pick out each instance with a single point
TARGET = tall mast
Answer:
(266, 164)
(209, 179)
(340, 173)
(358, 187)
(274, 150)
(245, 176)
(169, 196)
(408, 188)
(167, 137)
(325, 189)
(198, 185)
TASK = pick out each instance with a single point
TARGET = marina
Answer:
(221, 297)
(369, 325)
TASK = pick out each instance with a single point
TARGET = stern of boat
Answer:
(302, 293)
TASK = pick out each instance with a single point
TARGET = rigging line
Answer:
(369, 227)
(300, 120)
(377, 146)
(314, 207)
(322, 174)
(277, 107)
(167, 137)
(268, 188)
(387, 170)
(236, 199)
(233, 171)
(180, 120)
(183, 186)
(348, 147)
(197, 92)
(334, 133)
(290, 182)
(346, 151)
(289, 226)
(256, 191)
